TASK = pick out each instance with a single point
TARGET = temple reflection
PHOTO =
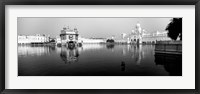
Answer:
(134, 60)
(69, 54)
(136, 52)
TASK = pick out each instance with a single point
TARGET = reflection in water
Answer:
(122, 66)
(136, 51)
(69, 54)
(92, 46)
(34, 50)
(110, 46)
(96, 60)
(172, 63)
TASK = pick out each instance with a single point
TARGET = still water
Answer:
(96, 60)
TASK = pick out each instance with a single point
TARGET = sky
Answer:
(89, 27)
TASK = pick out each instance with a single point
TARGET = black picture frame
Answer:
(3, 3)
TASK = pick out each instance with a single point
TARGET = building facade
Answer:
(157, 36)
(136, 35)
(92, 40)
(69, 36)
(139, 35)
(24, 39)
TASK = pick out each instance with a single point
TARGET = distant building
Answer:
(24, 39)
(123, 35)
(139, 35)
(136, 35)
(69, 36)
(110, 41)
(92, 40)
(157, 36)
(58, 40)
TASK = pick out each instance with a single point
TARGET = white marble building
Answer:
(139, 35)
(26, 39)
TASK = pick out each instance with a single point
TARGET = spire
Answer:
(137, 25)
(75, 28)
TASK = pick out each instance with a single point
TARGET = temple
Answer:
(140, 36)
(69, 36)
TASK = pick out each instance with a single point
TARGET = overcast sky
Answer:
(89, 27)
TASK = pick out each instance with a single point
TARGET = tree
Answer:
(175, 28)
(52, 40)
(110, 41)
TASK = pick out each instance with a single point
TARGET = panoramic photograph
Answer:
(99, 46)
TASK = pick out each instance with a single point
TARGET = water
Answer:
(96, 60)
